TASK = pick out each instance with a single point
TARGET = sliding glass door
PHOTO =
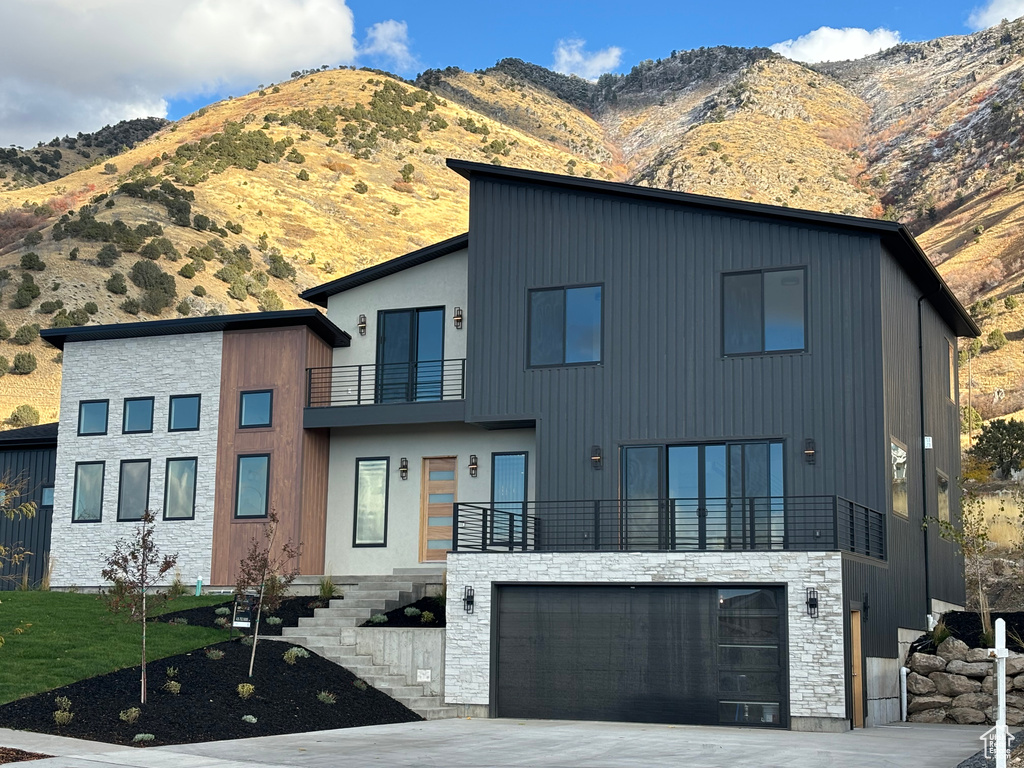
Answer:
(410, 351)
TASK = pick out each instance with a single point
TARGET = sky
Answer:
(76, 65)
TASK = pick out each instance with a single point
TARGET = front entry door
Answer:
(856, 665)
(436, 499)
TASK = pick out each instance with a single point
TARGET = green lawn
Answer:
(69, 637)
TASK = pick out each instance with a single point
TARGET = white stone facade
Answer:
(817, 679)
(113, 370)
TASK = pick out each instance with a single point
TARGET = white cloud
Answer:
(830, 44)
(390, 40)
(74, 65)
(994, 12)
(572, 59)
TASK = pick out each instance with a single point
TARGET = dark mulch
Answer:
(397, 617)
(9, 755)
(208, 707)
(290, 611)
(966, 626)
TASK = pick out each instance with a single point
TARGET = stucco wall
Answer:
(159, 367)
(403, 525)
(817, 686)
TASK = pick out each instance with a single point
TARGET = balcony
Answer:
(387, 393)
(776, 523)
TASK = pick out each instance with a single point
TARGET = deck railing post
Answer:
(359, 386)
(455, 527)
(835, 523)
(309, 387)
(597, 524)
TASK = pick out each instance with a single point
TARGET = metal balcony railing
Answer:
(414, 382)
(796, 523)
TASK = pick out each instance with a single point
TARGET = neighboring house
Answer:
(28, 458)
(676, 452)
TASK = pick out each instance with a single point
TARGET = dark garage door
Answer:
(652, 654)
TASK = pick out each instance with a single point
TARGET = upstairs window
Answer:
(256, 409)
(92, 417)
(898, 456)
(763, 312)
(180, 489)
(184, 413)
(565, 326)
(253, 486)
(951, 371)
(87, 506)
(138, 415)
(133, 492)
(943, 496)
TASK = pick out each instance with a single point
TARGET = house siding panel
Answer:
(36, 467)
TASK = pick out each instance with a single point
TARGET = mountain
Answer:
(246, 202)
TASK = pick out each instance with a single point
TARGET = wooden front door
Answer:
(436, 499)
(856, 666)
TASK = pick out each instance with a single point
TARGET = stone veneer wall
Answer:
(158, 366)
(817, 679)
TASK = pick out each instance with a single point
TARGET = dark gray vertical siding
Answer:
(36, 467)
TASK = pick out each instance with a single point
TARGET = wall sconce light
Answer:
(809, 450)
(812, 603)
(473, 466)
(595, 457)
(361, 325)
(457, 318)
(468, 595)
(403, 468)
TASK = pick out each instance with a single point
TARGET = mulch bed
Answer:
(290, 611)
(397, 617)
(966, 626)
(9, 755)
(208, 707)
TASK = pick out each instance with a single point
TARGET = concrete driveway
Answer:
(474, 743)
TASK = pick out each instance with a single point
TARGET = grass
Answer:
(69, 637)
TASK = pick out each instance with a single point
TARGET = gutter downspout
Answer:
(903, 693)
(924, 455)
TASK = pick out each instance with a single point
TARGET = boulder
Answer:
(1013, 699)
(919, 685)
(952, 649)
(921, 703)
(925, 663)
(1014, 716)
(1018, 682)
(967, 716)
(1015, 664)
(988, 685)
(980, 701)
(928, 716)
(974, 655)
(969, 669)
(953, 685)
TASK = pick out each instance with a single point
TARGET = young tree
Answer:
(134, 567)
(13, 506)
(264, 571)
(1001, 443)
(971, 537)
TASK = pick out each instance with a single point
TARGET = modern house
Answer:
(675, 452)
(28, 459)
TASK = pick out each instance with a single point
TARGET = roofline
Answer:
(319, 294)
(311, 318)
(9, 439)
(894, 234)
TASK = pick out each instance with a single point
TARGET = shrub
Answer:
(412, 612)
(159, 246)
(269, 301)
(1010, 302)
(63, 717)
(238, 290)
(378, 618)
(61, 320)
(302, 175)
(246, 690)
(295, 653)
(131, 306)
(223, 611)
(73, 255)
(26, 335)
(173, 687)
(326, 697)
(274, 621)
(33, 238)
(149, 276)
(63, 703)
(24, 363)
(229, 273)
(199, 291)
(360, 187)
(360, 684)
(5, 366)
(249, 719)
(426, 617)
(280, 268)
(327, 588)
(5, 332)
(116, 284)
(142, 738)
(997, 339)
(130, 715)
(49, 307)
(91, 308)
(109, 169)
(187, 271)
(78, 316)
(108, 255)
(156, 300)
(294, 156)
(24, 416)
(407, 172)
(32, 261)
(222, 621)
(215, 654)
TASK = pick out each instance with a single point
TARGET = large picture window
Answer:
(87, 506)
(133, 490)
(92, 417)
(253, 486)
(180, 489)
(565, 326)
(371, 512)
(898, 462)
(763, 312)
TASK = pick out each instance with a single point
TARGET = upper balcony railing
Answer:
(793, 523)
(413, 382)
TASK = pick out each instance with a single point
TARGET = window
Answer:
(565, 326)
(508, 496)
(183, 413)
(371, 514)
(180, 489)
(92, 417)
(898, 456)
(256, 408)
(46, 499)
(763, 312)
(138, 415)
(253, 486)
(943, 504)
(951, 371)
(410, 355)
(133, 492)
(88, 497)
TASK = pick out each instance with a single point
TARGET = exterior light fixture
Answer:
(457, 318)
(812, 603)
(473, 466)
(595, 456)
(809, 450)
(403, 468)
(468, 595)
(361, 325)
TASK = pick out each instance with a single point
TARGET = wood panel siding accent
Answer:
(269, 359)
(36, 467)
(316, 451)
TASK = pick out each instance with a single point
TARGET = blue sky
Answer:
(79, 64)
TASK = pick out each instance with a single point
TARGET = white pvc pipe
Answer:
(1001, 693)
(903, 693)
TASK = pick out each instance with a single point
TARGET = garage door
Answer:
(653, 654)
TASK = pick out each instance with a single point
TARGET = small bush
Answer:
(173, 687)
(269, 301)
(246, 690)
(294, 156)
(223, 611)
(360, 684)
(49, 307)
(327, 588)
(274, 621)
(302, 175)
(78, 316)
(412, 612)
(142, 738)
(222, 621)
(407, 172)
(184, 308)
(238, 290)
(215, 654)
(24, 363)
(295, 653)
(5, 366)
(25, 335)
(73, 255)
(116, 284)
(24, 416)
(997, 339)
(5, 332)
(32, 261)
(33, 238)
(1010, 302)
(171, 672)
(180, 621)
(326, 697)
(108, 255)
(379, 618)
(249, 718)
(187, 271)
(63, 717)
(426, 617)
(360, 187)
(131, 306)
(130, 715)
(280, 268)
(199, 291)
(63, 703)
(91, 308)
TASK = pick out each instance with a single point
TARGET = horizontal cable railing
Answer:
(798, 523)
(411, 382)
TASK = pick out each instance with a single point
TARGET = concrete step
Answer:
(348, 658)
(371, 673)
(373, 583)
(373, 594)
(417, 703)
(438, 713)
(318, 632)
(330, 620)
(384, 681)
(402, 692)
(365, 602)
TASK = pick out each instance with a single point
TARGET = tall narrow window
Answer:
(253, 486)
(180, 489)
(508, 496)
(133, 491)
(87, 506)
(763, 312)
(138, 415)
(371, 513)
(92, 417)
(943, 496)
(898, 460)
(951, 371)
(565, 326)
